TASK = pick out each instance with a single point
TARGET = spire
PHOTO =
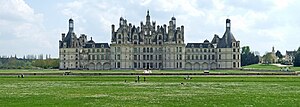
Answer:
(148, 18)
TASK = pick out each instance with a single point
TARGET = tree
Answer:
(248, 57)
(245, 49)
(278, 54)
(297, 58)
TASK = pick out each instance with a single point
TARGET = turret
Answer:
(228, 24)
(121, 21)
(173, 19)
(112, 28)
(71, 25)
(63, 35)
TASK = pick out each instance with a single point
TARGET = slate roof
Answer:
(227, 39)
(97, 45)
(68, 39)
(199, 45)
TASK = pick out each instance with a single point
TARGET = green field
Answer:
(269, 67)
(155, 91)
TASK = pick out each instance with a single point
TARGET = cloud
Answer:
(21, 30)
(258, 24)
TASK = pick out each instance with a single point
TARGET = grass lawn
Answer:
(268, 67)
(262, 67)
(156, 91)
(110, 71)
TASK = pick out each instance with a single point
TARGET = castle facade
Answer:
(148, 46)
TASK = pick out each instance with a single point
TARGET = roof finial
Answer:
(148, 12)
(91, 38)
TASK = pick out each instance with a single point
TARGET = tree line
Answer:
(15, 63)
(248, 57)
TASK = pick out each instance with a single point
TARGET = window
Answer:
(219, 50)
(118, 65)
(233, 56)
(119, 36)
(102, 57)
(118, 57)
(234, 65)
(180, 49)
(134, 57)
(98, 50)
(135, 65)
(180, 65)
(102, 50)
(219, 56)
(204, 50)
(98, 57)
(205, 57)
(213, 57)
(233, 50)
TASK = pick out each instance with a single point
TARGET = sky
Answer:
(35, 26)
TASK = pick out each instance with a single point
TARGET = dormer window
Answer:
(135, 37)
